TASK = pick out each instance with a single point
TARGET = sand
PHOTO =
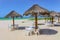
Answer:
(6, 34)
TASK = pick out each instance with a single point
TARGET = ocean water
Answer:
(2, 18)
(11, 18)
(30, 18)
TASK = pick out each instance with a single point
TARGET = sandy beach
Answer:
(6, 34)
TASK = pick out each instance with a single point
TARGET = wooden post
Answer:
(52, 19)
(36, 27)
(13, 23)
(45, 19)
(58, 19)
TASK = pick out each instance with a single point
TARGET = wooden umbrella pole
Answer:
(45, 19)
(58, 19)
(36, 27)
(13, 23)
(52, 19)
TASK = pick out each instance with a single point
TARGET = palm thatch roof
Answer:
(53, 13)
(58, 14)
(36, 9)
(13, 14)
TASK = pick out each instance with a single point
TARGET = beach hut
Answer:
(36, 11)
(13, 14)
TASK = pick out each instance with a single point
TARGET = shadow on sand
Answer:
(41, 31)
(47, 32)
(56, 25)
(21, 28)
(41, 24)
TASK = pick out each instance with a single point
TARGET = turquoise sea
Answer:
(11, 18)
(30, 18)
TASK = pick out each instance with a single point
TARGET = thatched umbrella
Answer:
(13, 14)
(36, 10)
(58, 15)
(53, 14)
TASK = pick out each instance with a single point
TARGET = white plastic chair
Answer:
(48, 23)
(29, 30)
(10, 27)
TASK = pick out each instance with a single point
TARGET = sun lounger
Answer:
(10, 27)
(29, 30)
(56, 24)
(37, 31)
(41, 23)
(49, 24)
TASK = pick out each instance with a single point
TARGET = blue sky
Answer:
(20, 6)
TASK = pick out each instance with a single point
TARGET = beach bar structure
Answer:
(13, 14)
(36, 11)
